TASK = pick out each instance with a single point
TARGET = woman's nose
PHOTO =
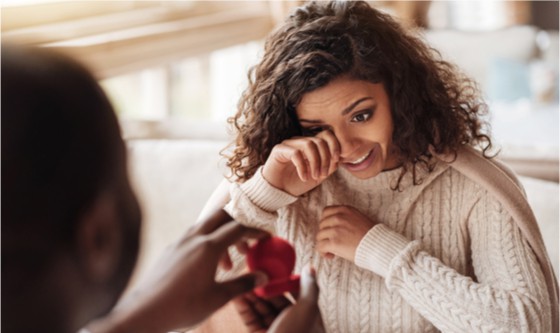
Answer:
(347, 141)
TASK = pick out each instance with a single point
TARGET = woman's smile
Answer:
(361, 163)
(361, 159)
(359, 115)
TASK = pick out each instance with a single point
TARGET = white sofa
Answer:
(174, 178)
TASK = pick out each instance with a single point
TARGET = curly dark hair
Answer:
(432, 102)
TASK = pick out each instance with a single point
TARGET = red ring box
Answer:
(276, 258)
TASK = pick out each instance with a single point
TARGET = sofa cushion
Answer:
(173, 179)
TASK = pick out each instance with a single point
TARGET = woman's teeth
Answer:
(361, 159)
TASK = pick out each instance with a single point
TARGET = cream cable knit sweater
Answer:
(445, 256)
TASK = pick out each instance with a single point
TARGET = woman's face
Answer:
(359, 114)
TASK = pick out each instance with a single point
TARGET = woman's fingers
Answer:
(326, 234)
(321, 169)
(334, 149)
(300, 162)
(332, 211)
(316, 152)
(306, 157)
(324, 247)
(312, 152)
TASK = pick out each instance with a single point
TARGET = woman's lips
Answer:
(370, 157)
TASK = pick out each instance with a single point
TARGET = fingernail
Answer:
(308, 274)
(309, 269)
(312, 271)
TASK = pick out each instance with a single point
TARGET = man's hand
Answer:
(278, 315)
(181, 290)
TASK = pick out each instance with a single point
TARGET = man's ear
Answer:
(99, 239)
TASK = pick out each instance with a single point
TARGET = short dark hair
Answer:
(61, 146)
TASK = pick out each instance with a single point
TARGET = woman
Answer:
(355, 141)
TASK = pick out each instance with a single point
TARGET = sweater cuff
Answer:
(264, 195)
(378, 248)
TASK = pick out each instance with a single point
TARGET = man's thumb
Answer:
(309, 290)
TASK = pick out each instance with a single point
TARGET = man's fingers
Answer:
(213, 221)
(242, 284)
(309, 290)
(242, 247)
(244, 306)
(225, 261)
(302, 316)
(279, 303)
(266, 311)
(232, 232)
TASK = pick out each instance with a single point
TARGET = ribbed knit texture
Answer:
(446, 256)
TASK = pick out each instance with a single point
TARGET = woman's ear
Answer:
(99, 239)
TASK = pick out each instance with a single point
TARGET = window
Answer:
(159, 61)
(202, 87)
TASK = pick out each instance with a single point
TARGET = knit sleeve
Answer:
(255, 202)
(508, 293)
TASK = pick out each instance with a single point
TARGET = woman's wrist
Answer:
(271, 178)
(378, 248)
(264, 194)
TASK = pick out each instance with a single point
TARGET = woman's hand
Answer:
(181, 291)
(299, 164)
(278, 314)
(340, 231)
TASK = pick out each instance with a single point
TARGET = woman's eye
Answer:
(312, 131)
(361, 117)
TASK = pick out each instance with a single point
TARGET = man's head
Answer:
(70, 222)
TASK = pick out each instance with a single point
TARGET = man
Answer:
(70, 221)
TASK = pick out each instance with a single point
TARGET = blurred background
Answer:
(174, 71)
